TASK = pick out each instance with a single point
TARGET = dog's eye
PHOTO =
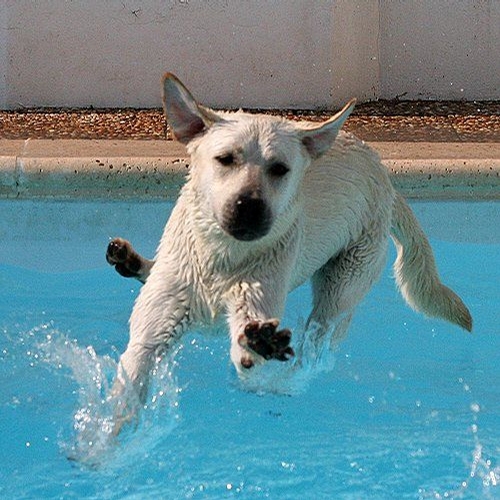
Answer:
(226, 159)
(278, 169)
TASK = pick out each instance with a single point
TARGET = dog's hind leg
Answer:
(343, 282)
(127, 261)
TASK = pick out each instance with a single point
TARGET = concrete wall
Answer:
(251, 53)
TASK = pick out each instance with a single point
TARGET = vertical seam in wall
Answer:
(20, 178)
(25, 146)
(379, 52)
(17, 175)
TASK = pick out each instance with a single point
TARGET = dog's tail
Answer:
(416, 273)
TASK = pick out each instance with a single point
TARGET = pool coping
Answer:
(150, 169)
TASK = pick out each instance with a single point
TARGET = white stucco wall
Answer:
(446, 49)
(251, 53)
(4, 61)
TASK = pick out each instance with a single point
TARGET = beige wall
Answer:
(250, 53)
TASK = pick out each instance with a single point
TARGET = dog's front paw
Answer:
(264, 339)
(124, 258)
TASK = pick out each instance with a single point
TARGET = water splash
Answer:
(481, 468)
(314, 355)
(95, 442)
(484, 476)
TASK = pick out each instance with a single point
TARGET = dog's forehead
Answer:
(270, 136)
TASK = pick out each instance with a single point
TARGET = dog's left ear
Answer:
(184, 115)
(318, 140)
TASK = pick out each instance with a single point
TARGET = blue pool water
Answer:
(409, 409)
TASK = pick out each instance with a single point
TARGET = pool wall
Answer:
(127, 169)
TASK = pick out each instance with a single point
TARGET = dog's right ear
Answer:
(184, 115)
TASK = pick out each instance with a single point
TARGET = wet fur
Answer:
(324, 210)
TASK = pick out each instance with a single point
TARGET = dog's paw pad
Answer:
(118, 251)
(267, 341)
(123, 257)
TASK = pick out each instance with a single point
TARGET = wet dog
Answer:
(269, 204)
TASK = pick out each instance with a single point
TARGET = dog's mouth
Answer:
(246, 234)
(247, 219)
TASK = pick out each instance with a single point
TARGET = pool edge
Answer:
(122, 169)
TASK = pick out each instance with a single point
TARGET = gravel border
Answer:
(409, 121)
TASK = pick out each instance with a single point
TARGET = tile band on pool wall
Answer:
(64, 169)
(8, 176)
(445, 179)
(118, 177)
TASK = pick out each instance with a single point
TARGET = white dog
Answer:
(269, 204)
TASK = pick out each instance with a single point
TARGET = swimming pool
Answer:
(409, 409)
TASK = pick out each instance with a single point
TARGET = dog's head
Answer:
(248, 168)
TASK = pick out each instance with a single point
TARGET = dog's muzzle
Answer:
(247, 218)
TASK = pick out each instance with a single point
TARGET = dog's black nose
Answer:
(248, 217)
